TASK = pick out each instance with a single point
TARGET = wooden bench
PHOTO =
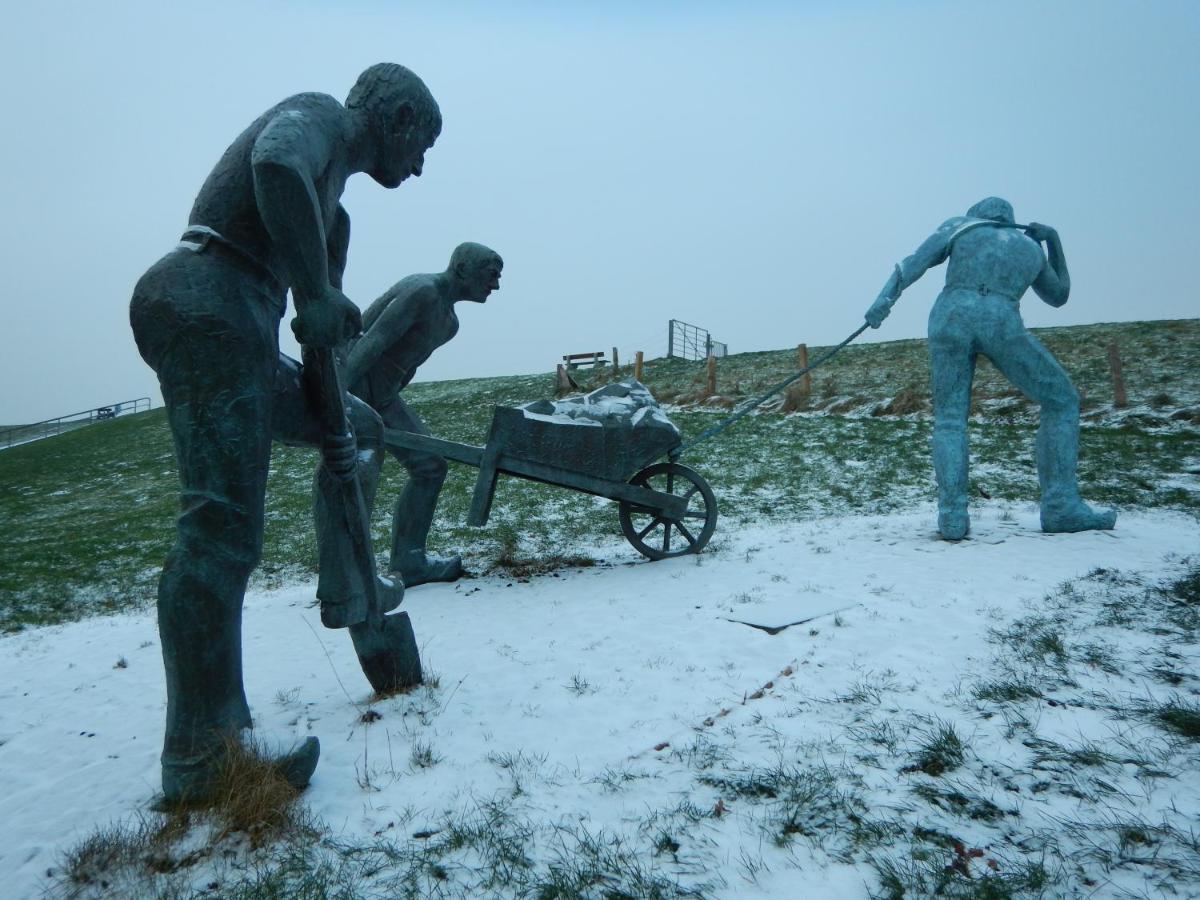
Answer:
(576, 360)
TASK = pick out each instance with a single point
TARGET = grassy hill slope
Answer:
(89, 513)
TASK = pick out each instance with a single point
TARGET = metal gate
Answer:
(686, 341)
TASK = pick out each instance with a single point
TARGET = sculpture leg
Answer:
(1033, 369)
(366, 421)
(294, 422)
(218, 543)
(210, 336)
(368, 432)
(413, 514)
(952, 362)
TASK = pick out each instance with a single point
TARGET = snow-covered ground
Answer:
(612, 694)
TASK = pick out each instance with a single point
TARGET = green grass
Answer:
(493, 849)
(1181, 717)
(941, 751)
(90, 512)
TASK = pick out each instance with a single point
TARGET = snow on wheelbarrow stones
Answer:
(611, 432)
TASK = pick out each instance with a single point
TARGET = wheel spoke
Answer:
(641, 523)
(687, 534)
(649, 528)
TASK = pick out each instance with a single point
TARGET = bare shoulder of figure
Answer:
(402, 304)
(303, 129)
(938, 243)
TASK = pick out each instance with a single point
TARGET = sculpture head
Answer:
(476, 271)
(992, 208)
(402, 121)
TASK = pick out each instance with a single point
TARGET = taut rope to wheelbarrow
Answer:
(825, 357)
(759, 401)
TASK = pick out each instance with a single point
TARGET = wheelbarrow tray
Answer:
(591, 458)
(608, 450)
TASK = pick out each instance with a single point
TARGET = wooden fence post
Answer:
(1120, 401)
(796, 396)
(565, 383)
(711, 387)
(637, 366)
(616, 364)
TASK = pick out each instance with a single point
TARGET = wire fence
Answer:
(682, 341)
(686, 341)
(23, 434)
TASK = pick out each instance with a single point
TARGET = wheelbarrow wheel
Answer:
(659, 537)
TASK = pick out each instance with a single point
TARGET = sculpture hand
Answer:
(339, 453)
(1040, 232)
(879, 310)
(326, 321)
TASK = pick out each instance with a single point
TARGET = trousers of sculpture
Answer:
(207, 323)
(413, 513)
(963, 325)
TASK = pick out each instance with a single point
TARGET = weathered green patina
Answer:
(402, 329)
(267, 220)
(992, 261)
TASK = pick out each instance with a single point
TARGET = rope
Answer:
(758, 401)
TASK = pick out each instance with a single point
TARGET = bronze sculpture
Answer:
(401, 330)
(267, 220)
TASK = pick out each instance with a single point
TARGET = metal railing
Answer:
(686, 341)
(23, 434)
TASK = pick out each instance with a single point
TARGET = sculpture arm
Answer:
(288, 155)
(1053, 283)
(932, 252)
(338, 246)
(389, 328)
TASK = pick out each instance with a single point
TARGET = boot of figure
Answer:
(411, 521)
(1063, 510)
(199, 782)
(950, 467)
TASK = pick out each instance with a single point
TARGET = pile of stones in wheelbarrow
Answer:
(612, 431)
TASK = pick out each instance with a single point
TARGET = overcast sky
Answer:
(753, 168)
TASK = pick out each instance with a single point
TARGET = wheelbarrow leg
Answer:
(485, 487)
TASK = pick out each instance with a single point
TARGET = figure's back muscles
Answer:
(226, 201)
(1003, 260)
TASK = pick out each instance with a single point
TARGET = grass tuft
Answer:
(1181, 717)
(942, 751)
(1005, 691)
(250, 797)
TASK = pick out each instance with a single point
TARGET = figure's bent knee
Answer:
(367, 425)
(1061, 402)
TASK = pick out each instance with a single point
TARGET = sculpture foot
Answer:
(417, 567)
(1077, 517)
(344, 613)
(954, 526)
(197, 782)
(297, 766)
